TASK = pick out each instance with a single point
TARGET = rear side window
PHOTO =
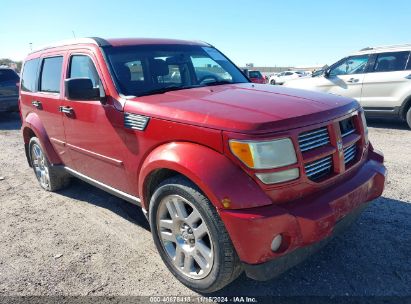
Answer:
(82, 66)
(255, 74)
(29, 77)
(389, 62)
(51, 74)
(8, 75)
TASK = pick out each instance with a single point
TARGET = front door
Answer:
(346, 77)
(94, 130)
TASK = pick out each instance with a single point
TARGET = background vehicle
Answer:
(9, 89)
(282, 77)
(232, 176)
(379, 78)
(256, 77)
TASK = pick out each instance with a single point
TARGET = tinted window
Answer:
(51, 74)
(351, 65)
(255, 74)
(82, 66)
(29, 77)
(8, 75)
(388, 62)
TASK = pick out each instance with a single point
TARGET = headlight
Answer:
(364, 124)
(264, 154)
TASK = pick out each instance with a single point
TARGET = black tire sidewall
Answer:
(202, 285)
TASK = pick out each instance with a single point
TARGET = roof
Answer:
(384, 48)
(118, 42)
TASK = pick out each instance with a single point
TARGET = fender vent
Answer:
(135, 121)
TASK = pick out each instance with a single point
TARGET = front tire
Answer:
(191, 238)
(49, 177)
(272, 82)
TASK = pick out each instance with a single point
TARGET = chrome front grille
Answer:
(318, 168)
(350, 153)
(313, 139)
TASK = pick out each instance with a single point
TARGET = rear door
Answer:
(387, 81)
(346, 77)
(41, 94)
(94, 131)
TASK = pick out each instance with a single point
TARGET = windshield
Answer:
(153, 69)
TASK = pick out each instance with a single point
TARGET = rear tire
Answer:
(191, 238)
(49, 177)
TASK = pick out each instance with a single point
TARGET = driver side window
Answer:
(351, 65)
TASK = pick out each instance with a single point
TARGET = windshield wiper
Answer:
(163, 90)
(219, 82)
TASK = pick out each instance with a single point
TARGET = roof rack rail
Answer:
(93, 40)
(386, 47)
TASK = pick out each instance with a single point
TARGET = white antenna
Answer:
(74, 35)
(31, 46)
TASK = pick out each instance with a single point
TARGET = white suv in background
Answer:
(379, 78)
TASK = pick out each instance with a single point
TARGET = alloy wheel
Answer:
(185, 237)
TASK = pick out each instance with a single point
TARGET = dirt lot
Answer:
(82, 241)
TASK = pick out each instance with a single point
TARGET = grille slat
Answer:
(318, 168)
(313, 139)
(135, 121)
(350, 153)
(313, 164)
(347, 133)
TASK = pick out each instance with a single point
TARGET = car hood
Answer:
(243, 107)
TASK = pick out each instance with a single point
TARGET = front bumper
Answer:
(305, 225)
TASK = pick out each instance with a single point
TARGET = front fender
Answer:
(33, 123)
(218, 177)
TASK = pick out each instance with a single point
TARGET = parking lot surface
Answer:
(83, 241)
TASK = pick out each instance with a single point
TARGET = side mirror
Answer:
(326, 73)
(81, 89)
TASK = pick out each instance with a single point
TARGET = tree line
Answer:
(11, 63)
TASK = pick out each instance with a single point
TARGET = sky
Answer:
(266, 33)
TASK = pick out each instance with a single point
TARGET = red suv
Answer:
(232, 176)
(256, 77)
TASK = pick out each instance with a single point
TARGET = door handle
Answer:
(352, 80)
(66, 110)
(37, 104)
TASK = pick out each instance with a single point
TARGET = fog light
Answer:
(278, 177)
(276, 243)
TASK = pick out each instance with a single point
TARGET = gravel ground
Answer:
(83, 241)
